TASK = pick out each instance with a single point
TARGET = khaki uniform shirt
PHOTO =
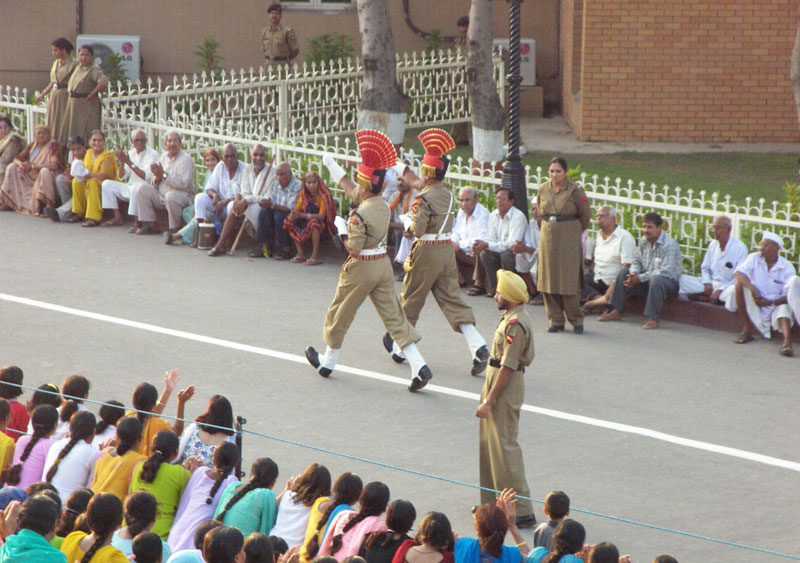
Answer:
(368, 224)
(513, 340)
(430, 210)
(278, 43)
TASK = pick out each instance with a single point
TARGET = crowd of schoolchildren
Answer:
(130, 486)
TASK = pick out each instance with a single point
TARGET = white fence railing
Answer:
(687, 214)
(298, 102)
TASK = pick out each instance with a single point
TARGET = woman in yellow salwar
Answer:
(86, 194)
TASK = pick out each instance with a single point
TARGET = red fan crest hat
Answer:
(437, 143)
(377, 153)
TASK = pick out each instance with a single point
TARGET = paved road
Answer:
(681, 381)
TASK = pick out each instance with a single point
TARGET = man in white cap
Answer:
(501, 463)
(760, 293)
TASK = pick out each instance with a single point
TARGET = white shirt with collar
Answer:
(143, 161)
(505, 231)
(719, 265)
(222, 183)
(611, 253)
(468, 229)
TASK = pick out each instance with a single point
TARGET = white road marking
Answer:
(616, 426)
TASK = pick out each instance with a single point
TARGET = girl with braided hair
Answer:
(112, 472)
(109, 414)
(348, 531)
(104, 515)
(148, 404)
(74, 389)
(296, 500)
(433, 544)
(70, 461)
(165, 481)
(73, 509)
(567, 545)
(202, 495)
(140, 513)
(31, 451)
(346, 491)
(251, 507)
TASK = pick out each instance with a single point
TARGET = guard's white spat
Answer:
(616, 426)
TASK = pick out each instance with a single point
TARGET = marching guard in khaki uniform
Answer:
(279, 43)
(368, 271)
(501, 463)
(431, 263)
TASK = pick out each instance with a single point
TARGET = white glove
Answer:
(400, 168)
(406, 221)
(337, 172)
(341, 225)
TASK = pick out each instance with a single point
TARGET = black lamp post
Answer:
(513, 171)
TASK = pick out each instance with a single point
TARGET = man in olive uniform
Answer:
(501, 463)
(461, 130)
(431, 263)
(279, 43)
(367, 271)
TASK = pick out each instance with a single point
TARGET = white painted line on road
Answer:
(626, 428)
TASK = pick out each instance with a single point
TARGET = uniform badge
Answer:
(584, 200)
(353, 221)
(509, 339)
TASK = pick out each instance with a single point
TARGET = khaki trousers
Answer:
(148, 199)
(361, 279)
(501, 463)
(433, 269)
(555, 305)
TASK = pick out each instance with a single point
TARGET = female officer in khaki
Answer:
(565, 213)
(368, 272)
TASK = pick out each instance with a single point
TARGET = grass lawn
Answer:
(741, 175)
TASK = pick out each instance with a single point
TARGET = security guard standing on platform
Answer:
(431, 263)
(367, 272)
(279, 43)
(501, 464)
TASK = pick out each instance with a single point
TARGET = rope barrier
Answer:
(429, 476)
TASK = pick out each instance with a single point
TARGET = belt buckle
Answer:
(552, 219)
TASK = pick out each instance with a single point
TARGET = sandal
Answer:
(74, 219)
(112, 223)
(146, 230)
(743, 338)
(297, 259)
(312, 262)
(215, 252)
(90, 223)
(786, 350)
(476, 291)
(134, 229)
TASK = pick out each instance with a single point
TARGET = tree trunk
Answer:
(383, 104)
(487, 113)
(795, 70)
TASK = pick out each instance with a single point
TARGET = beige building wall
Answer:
(171, 30)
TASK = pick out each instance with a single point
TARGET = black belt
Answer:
(559, 218)
(496, 364)
(76, 95)
(60, 87)
(277, 58)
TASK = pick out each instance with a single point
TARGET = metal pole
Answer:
(513, 171)
(237, 427)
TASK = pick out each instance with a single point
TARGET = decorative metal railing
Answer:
(688, 214)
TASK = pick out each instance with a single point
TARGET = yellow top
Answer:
(6, 451)
(106, 554)
(152, 426)
(112, 472)
(313, 519)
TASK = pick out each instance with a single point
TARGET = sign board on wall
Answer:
(125, 46)
(527, 55)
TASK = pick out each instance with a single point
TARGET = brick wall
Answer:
(686, 70)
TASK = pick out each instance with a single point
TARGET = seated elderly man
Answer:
(472, 223)
(257, 179)
(723, 256)
(614, 249)
(135, 171)
(225, 184)
(280, 200)
(761, 293)
(400, 206)
(654, 272)
(171, 188)
(526, 252)
(506, 226)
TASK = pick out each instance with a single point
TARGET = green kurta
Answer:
(560, 255)
(83, 116)
(57, 120)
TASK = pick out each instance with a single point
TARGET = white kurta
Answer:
(717, 268)
(528, 261)
(256, 187)
(125, 188)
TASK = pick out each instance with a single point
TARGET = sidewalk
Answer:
(552, 134)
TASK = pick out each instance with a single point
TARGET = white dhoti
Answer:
(793, 296)
(527, 263)
(251, 213)
(403, 249)
(113, 190)
(204, 208)
(765, 319)
(689, 285)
